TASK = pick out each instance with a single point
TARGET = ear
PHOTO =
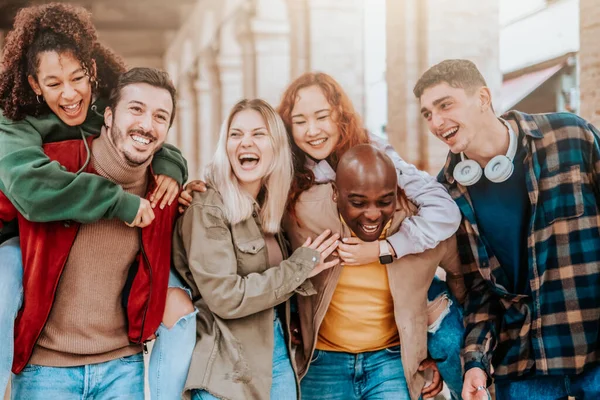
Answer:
(485, 98)
(108, 117)
(34, 85)
(335, 194)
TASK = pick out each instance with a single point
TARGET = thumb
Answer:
(306, 242)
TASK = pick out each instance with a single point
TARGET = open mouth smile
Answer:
(370, 229)
(450, 133)
(248, 160)
(317, 142)
(72, 109)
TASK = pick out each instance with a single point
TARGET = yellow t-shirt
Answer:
(360, 316)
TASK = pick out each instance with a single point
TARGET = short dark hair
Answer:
(456, 73)
(151, 76)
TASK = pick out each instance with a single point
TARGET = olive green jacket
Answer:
(235, 290)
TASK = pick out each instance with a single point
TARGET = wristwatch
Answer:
(385, 257)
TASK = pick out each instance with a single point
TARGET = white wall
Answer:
(544, 35)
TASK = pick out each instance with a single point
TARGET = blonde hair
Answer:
(239, 204)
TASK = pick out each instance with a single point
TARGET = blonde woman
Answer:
(229, 250)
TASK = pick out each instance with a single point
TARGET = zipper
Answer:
(145, 256)
(62, 269)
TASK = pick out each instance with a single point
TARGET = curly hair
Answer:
(345, 117)
(51, 27)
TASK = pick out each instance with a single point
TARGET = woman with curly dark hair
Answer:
(54, 86)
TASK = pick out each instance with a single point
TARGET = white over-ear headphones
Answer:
(500, 168)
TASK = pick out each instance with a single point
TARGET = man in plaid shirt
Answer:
(529, 240)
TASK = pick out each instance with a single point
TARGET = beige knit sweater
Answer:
(87, 323)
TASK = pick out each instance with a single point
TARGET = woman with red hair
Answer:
(322, 125)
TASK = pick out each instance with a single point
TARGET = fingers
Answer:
(435, 387)
(195, 186)
(145, 215)
(162, 184)
(170, 194)
(185, 199)
(319, 239)
(352, 240)
(159, 181)
(347, 258)
(307, 242)
(331, 264)
(328, 245)
(349, 248)
(327, 252)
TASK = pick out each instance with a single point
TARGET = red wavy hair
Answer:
(345, 117)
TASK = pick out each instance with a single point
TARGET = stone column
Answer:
(187, 126)
(336, 44)
(231, 68)
(208, 91)
(270, 32)
(299, 37)
(589, 61)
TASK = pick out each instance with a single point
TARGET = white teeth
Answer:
(370, 228)
(248, 156)
(73, 107)
(449, 132)
(317, 142)
(140, 139)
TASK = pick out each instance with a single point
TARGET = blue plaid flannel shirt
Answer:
(556, 329)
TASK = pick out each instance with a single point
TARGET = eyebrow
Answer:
(72, 73)
(144, 104)
(316, 112)
(253, 130)
(435, 103)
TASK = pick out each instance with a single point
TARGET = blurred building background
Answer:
(537, 56)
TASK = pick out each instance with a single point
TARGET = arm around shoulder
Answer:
(42, 190)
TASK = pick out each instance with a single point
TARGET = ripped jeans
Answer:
(171, 354)
(445, 338)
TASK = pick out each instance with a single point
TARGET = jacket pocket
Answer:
(561, 197)
(251, 246)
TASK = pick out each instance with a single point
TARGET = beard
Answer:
(119, 139)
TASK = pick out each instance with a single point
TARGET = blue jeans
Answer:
(344, 376)
(122, 378)
(11, 296)
(445, 341)
(171, 354)
(283, 386)
(585, 386)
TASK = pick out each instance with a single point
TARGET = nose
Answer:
(313, 128)
(69, 92)
(436, 120)
(247, 140)
(145, 122)
(373, 214)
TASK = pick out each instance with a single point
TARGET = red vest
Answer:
(46, 246)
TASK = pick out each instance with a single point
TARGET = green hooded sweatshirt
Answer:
(43, 191)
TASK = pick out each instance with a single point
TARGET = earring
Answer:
(37, 97)
(95, 82)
